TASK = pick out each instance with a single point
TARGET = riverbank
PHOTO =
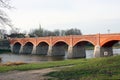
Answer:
(4, 51)
(90, 69)
(83, 69)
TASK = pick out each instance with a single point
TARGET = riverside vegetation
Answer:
(81, 69)
(91, 69)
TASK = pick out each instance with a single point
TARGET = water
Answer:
(9, 57)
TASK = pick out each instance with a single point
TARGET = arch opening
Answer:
(111, 48)
(83, 49)
(60, 49)
(16, 48)
(27, 48)
(42, 48)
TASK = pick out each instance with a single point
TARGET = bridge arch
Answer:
(66, 42)
(112, 39)
(42, 48)
(84, 40)
(16, 47)
(26, 42)
(17, 42)
(83, 49)
(110, 43)
(60, 48)
(28, 47)
(42, 41)
(107, 46)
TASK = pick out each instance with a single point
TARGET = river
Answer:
(9, 57)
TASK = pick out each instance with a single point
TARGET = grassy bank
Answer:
(33, 66)
(82, 69)
(91, 69)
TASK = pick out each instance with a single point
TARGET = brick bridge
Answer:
(71, 46)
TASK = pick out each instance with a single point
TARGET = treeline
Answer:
(40, 32)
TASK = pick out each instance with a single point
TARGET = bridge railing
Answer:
(69, 36)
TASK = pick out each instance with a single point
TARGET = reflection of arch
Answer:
(84, 40)
(16, 47)
(61, 41)
(60, 48)
(42, 48)
(27, 48)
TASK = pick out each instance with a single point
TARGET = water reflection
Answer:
(9, 57)
(89, 53)
(116, 51)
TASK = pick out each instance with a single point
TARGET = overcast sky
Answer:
(90, 16)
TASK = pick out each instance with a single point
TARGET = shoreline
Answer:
(67, 69)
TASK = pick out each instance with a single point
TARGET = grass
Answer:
(33, 66)
(91, 69)
(82, 69)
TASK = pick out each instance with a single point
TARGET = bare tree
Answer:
(4, 19)
(38, 32)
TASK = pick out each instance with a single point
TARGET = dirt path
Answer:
(26, 75)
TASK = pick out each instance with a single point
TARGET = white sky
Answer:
(90, 16)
